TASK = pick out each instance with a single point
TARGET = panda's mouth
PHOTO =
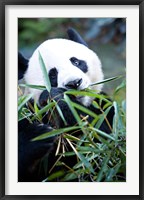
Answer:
(75, 84)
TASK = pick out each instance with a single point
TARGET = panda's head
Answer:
(70, 64)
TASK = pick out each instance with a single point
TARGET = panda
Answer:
(70, 65)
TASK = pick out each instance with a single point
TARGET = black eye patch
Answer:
(53, 75)
(81, 64)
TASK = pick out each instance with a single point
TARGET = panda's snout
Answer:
(73, 84)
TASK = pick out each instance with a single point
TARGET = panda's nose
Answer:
(74, 84)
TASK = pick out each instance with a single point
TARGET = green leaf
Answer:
(89, 149)
(43, 110)
(118, 122)
(60, 113)
(112, 172)
(69, 102)
(102, 117)
(24, 113)
(39, 87)
(124, 105)
(71, 137)
(82, 158)
(70, 176)
(84, 109)
(44, 71)
(36, 109)
(56, 132)
(23, 100)
(103, 168)
(106, 80)
(83, 93)
(54, 176)
(121, 86)
(102, 133)
(89, 158)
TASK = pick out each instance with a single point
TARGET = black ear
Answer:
(75, 36)
(22, 65)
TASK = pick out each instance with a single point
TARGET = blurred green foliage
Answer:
(33, 31)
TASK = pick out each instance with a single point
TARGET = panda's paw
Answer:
(30, 149)
(45, 95)
(31, 152)
(55, 93)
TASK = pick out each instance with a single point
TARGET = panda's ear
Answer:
(75, 36)
(22, 65)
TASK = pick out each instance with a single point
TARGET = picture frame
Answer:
(3, 100)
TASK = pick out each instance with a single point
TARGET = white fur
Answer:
(56, 53)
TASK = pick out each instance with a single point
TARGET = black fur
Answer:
(30, 152)
(22, 65)
(74, 36)
(53, 76)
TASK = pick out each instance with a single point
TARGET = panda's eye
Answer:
(75, 61)
(81, 64)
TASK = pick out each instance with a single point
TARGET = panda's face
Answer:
(71, 76)
(69, 65)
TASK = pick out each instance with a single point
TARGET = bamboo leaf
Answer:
(70, 176)
(44, 71)
(106, 80)
(89, 149)
(60, 112)
(121, 86)
(85, 110)
(83, 93)
(54, 176)
(82, 158)
(102, 133)
(24, 113)
(102, 117)
(69, 102)
(103, 168)
(56, 132)
(71, 137)
(39, 87)
(23, 100)
(112, 172)
(43, 110)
